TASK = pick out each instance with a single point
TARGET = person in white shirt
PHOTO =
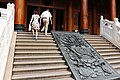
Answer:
(46, 16)
(35, 22)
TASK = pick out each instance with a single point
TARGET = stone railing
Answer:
(110, 30)
(6, 31)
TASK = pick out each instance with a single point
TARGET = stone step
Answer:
(34, 41)
(110, 54)
(36, 52)
(95, 39)
(65, 79)
(33, 38)
(90, 35)
(31, 35)
(101, 45)
(104, 47)
(38, 62)
(36, 58)
(39, 68)
(112, 57)
(49, 53)
(116, 66)
(38, 65)
(114, 61)
(108, 50)
(36, 44)
(39, 71)
(99, 42)
(54, 78)
(42, 76)
(36, 48)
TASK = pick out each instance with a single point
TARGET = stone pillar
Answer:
(70, 14)
(112, 9)
(54, 20)
(54, 17)
(84, 17)
(65, 19)
(19, 15)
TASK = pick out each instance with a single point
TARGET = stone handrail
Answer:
(6, 31)
(110, 30)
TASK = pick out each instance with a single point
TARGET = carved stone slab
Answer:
(83, 60)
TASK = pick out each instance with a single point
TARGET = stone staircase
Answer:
(109, 52)
(38, 59)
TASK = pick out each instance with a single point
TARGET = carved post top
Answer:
(101, 17)
(116, 19)
(116, 22)
(10, 6)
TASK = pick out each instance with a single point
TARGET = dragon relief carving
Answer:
(86, 61)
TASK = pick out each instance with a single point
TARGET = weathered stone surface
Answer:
(83, 60)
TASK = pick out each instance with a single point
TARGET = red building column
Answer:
(84, 17)
(70, 14)
(112, 9)
(19, 15)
